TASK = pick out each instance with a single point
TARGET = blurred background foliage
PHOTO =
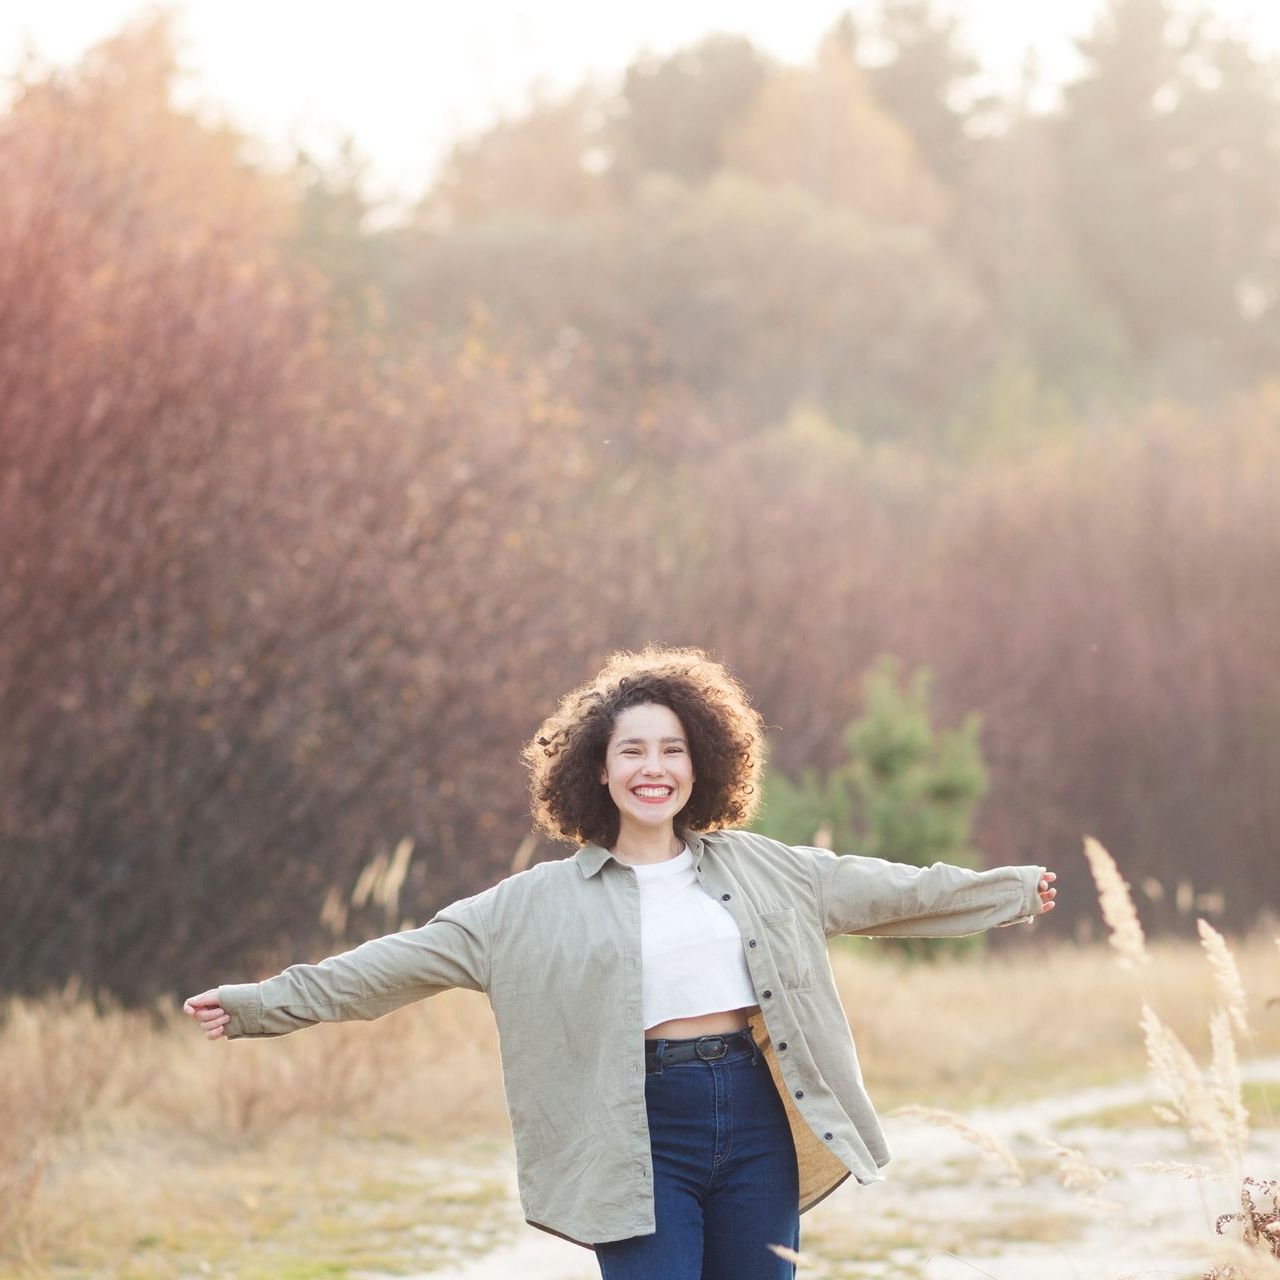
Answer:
(307, 518)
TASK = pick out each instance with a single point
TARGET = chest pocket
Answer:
(786, 945)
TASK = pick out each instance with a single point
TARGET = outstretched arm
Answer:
(893, 899)
(452, 950)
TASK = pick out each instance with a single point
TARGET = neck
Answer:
(647, 844)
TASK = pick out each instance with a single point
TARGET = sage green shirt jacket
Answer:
(557, 950)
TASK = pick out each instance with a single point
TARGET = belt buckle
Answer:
(714, 1054)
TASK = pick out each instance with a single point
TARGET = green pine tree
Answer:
(907, 792)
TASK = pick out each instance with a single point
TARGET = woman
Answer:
(679, 1071)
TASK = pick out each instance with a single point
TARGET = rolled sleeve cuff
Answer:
(1030, 907)
(243, 1001)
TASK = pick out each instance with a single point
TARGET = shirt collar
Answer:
(591, 857)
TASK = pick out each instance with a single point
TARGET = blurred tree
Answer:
(548, 161)
(676, 112)
(750, 298)
(1228, 206)
(918, 787)
(820, 128)
(1015, 412)
(196, 168)
(924, 81)
(906, 792)
(1110, 608)
(787, 275)
(1171, 184)
(1062, 350)
(332, 234)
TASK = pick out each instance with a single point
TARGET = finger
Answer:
(210, 1015)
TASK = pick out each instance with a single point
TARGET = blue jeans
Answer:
(724, 1176)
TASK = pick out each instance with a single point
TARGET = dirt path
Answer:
(944, 1212)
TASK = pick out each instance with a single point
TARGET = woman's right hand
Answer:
(206, 1010)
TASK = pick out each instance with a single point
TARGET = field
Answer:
(131, 1147)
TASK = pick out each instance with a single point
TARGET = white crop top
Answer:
(690, 946)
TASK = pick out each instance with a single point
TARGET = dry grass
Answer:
(1262, 1101)
(1116, 903)
(1258, 1217)
(1226, 974)
(113, 1125)
(1032, 1020)
(1075, 1170)
(117, 1127)
(995, 1150)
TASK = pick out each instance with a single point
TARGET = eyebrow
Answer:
(626, 742)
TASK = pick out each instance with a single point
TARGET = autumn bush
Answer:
(284, 588)
(269, 587)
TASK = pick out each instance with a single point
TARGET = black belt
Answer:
(666, 1053)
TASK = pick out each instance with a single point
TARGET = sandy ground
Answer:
(946, 1212)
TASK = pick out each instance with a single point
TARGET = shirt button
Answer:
(828, 1136)
(752, 943)
(724, 897)
(799, 1093)
(768, 995)
(783, 1045)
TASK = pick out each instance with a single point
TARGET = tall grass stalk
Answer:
(1116, 901)
(1226, 974)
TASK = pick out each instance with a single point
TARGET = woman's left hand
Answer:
(1047, 891)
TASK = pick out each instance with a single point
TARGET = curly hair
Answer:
(725, 733)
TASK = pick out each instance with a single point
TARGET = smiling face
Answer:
(648, 768)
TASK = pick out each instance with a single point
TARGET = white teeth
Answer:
(653, 791)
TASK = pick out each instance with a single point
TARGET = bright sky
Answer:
(404, 77)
